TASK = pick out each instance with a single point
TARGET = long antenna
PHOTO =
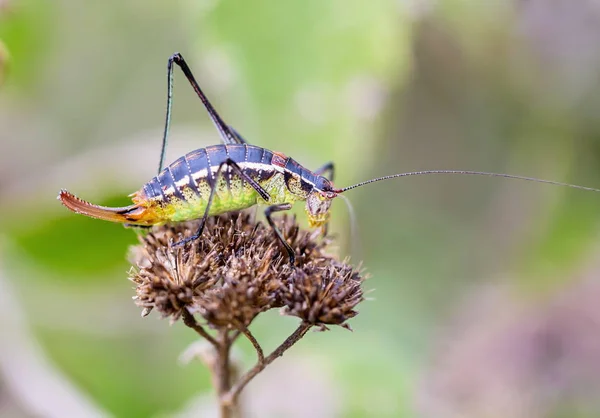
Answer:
(472, 173)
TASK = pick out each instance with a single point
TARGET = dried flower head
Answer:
(167, 279)
(237, 270)
(323, 292)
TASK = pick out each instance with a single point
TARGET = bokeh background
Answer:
(485, 290)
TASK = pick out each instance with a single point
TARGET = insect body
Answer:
(233, 176)
(215, 180)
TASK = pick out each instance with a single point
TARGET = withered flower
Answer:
(237, 270)
(323, 292)
(231, 274)
(165, 278)
(247, 287)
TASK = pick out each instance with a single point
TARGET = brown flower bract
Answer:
(237, 269)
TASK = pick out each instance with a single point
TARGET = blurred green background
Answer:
(485, 289)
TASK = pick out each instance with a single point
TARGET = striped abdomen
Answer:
(181, 191)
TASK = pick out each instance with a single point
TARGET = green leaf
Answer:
(75, 245)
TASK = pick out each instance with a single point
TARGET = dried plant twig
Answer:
(190, 321)
(224, 375)
(233, 394)
(259, 351)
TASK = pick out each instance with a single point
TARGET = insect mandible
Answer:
(233, 176)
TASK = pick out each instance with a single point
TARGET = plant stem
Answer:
(257, 347)
(233, 394)
(190, 321)
(223, 371)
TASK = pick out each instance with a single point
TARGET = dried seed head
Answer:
(165, 278)
(323, 292)
(247, 287)
(237, 269)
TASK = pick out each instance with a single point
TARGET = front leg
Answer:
(278, 208)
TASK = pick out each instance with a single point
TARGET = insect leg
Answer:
(279, 208)
(227, 134)
(329, 167)
(239, 138)
(237, 169)
(126, 225)
(163, 148)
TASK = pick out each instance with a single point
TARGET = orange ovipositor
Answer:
(136, 214)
